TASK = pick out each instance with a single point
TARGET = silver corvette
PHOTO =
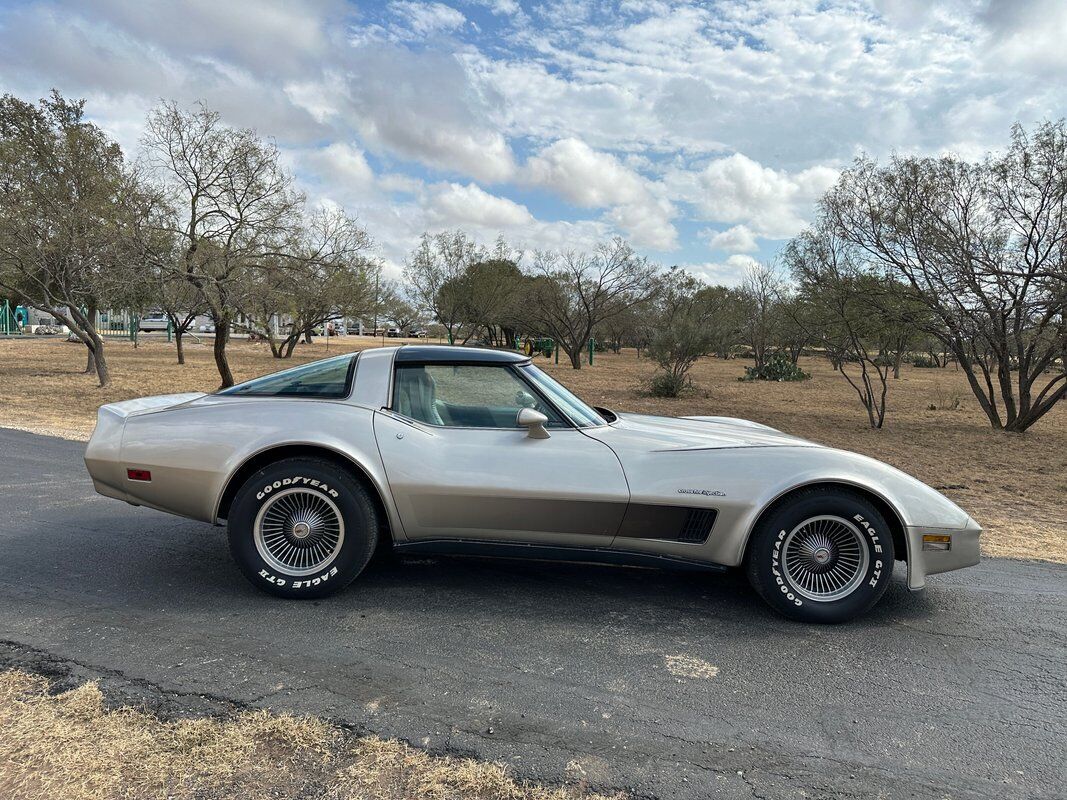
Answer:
(460, 450)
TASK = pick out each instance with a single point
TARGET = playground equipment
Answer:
(12, 320)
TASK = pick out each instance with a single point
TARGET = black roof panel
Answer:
(445, 354)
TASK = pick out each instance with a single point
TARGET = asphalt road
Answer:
(669, 685)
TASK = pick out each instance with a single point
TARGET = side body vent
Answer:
(697, 525)
(667, 523)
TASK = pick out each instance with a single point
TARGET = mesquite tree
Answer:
(68, 208)
(433, 275)
(983, 246)
(690, 321)
(321, 274)
(836, 304)
(232, 206)
(572, 293)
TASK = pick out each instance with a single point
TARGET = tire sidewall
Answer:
(769, 578)
(334, 483)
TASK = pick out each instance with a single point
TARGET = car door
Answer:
(459, 466)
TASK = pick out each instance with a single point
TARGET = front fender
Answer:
(741, 483)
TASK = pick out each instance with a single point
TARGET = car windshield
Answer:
(326, 378)
(579, 413)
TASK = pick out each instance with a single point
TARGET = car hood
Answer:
(665, 434)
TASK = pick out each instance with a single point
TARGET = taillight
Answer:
(138, 475)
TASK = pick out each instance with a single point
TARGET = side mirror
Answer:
(533, 421)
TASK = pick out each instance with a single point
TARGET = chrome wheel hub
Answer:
(825, 558)
(299, 531)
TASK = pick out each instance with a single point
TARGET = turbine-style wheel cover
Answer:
(299, 531)
(825, 558)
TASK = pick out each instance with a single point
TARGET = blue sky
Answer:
(703, 133)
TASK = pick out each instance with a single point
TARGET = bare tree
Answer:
(689, 322)
(630, 328)
(232, 206)
(321, 274)
(396, 307)
(574, 292)
(759, 294)
(433, 273)
(792, 334)
(838, 308)
(68, 211)
(984, 247)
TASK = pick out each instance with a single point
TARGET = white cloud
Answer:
(501, 7)
(583, 176)
(452, 205)
(1029, 33)
(770, 203)
(592, 179)
(639, 117)
(424, 107)
(342, 164)
(427, 18)
(738, 239)
(730, 272)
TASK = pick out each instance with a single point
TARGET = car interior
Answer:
(465, 396)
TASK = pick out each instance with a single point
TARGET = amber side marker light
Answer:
(139, 475)
(936, 542)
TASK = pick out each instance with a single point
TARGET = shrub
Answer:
(923, 362)
(777, 368)
(666, 384)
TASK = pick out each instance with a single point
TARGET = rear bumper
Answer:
(103, 455)
(964, 551)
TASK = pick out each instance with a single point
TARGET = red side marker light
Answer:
(139, 475)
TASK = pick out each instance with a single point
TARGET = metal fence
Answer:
(117, 324)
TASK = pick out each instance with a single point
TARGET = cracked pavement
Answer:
(955, 692)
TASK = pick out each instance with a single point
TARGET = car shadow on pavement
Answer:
(189, 566)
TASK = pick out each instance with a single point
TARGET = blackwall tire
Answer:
(824, 556)
(302, 528)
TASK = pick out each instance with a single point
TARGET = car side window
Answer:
(465, 395)
(328, 378)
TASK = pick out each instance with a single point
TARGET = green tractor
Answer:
(542, 344)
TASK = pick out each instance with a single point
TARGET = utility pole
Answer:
(377, 281)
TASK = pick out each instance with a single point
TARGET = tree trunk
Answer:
(103, 374)
(179, 335)
(575, 357)
(222, 338)
(90, 359)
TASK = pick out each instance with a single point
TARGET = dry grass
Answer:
(70, 746)
(1014, 485)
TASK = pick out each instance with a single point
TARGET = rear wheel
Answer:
(302, 528)
(826, 555)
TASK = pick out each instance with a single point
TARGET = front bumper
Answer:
(964, 551)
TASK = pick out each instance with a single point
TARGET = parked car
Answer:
(393, 333)
(153, 321)
(430, 449)
(417, 334)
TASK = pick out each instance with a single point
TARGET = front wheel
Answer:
(302, 528)
(826, 555)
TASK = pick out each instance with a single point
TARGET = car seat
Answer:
(417, 395)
